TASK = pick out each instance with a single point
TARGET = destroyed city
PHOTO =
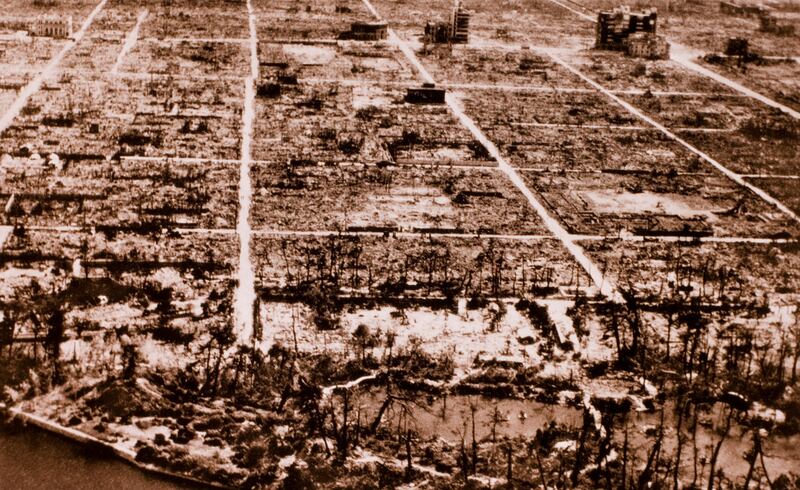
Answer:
(400, 244)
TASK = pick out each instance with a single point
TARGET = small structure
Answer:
(427, 94)
(614, 28)
(737, 46)
(272, 57)
(366, 31)
(55, 27)
(774, 25)
(647, 45)
(437, 33)
(455, 31)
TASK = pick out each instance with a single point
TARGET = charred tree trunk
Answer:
(580, 455)
(409, 467)
(678, 445)
(717, 448)
(650, 469)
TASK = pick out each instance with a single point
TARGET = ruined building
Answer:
(456, 31)
(772, 23)
(632, 32)
(429, 93)
(366, 31)
(56, 27)
(737, 46)
(437, 33)
(43, 26)
(459, 22)
(647, 45)
(614, 28)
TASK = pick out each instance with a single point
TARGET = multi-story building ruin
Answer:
(632, 32)
(459, 22)
(614, 28)
(43, 26)
(49, 26)
(437, 33)
(456, 31)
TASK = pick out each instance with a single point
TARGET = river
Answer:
(31, 459)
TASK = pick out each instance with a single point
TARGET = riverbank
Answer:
(14, 415)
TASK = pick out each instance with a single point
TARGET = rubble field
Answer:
(511, 65)
(777, 78)
(90, 193)
(76, 118)
(188, 58)
(749, 150)
(24, 58)
(193, 19)
(621, 73)
(500, 108)
(401, 198)
(594, 149)
(325, 123)
(782, 188)
(78, 9)
(604, 204)
(336, 60)
(295, 21)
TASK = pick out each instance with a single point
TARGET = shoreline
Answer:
(15, 414)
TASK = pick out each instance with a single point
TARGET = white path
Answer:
(210, 40)
(129, 75)
(605, 286)
(36, 83)
(245, 295)
(580, 14)
(274, 233)
(612, 127)
(5, 231)
(771, 176)
(686, 239)
(218, 161)
(398, 234)
(179, 160)
(130, 42)
(499, 87)
(704, 156)
(327, 391)
(686, 56)
(575, 90)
